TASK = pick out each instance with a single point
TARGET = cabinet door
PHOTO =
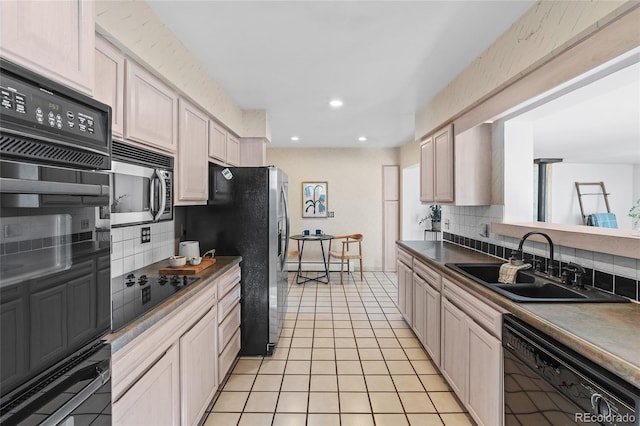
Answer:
(427, 173)
(485, 374)
(103, 296)
(253, 152)
(52, 38)
(81, 317)
(405, 292)
(217, 141)
(454, 348)
(419, 308)
(151, 109)
(109, 82)
(193, 168)
(233, 150)
(13, 350)
(155, 398)
(443, 165)
(48, 328)
(432, 328)
(198, 367)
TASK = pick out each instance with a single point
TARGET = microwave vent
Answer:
(37, 150)
(140, 156)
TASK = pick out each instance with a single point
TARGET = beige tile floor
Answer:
(346, 358)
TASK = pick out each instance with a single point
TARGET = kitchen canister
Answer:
(189, 249)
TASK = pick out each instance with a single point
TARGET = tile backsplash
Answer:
(129, 253)
(615, 274)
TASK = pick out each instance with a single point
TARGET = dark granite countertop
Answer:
(606, 333)
(136, 327)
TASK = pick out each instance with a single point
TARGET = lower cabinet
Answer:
(405, 286)
(460, 331)
(188, 362)
(472, 353)
(198, 367)
(155, 398)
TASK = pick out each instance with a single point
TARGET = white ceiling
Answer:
(384, 59)
(596, 123)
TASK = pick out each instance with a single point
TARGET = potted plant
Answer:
(634, 213)
(435, 215)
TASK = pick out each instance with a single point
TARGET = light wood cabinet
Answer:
(427, 284)
(427, 174)
(437, 168)
(253, 152)
(454, 348)
(443, 165)
(485, 376)
(198, 367)
(155, 398)
(473, 166)
(193, 167)
(420, 309)
(405, 287)
(224, 148)
(109, 82)
(151, 109)
(456, 172)
(217, 141)
(55, 39)
(233, 150)
(472, 353)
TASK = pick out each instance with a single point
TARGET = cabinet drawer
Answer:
(229, 302)
(405, 257)
(429, 275)
(483, 314)
(228, 281)
(228, 356)
(228, 327)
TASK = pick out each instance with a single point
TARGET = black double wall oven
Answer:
(55, 151)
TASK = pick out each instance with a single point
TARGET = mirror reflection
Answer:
(586, 139)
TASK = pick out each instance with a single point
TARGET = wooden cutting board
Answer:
(188, 269)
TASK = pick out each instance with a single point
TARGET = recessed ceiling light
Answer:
(335, 103)
(295, 138)
(362, 138)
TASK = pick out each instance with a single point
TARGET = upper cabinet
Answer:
(109, 82)
(217, 141)
(52, 38)
(253, 152)
(193, 167)
(233, 150)
(151, 109)
(224, 148)
(456, 170)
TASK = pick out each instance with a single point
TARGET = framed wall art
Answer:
(314, 199)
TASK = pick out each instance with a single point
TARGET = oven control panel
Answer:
(44, 109)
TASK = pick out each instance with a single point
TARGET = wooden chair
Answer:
(345, 254)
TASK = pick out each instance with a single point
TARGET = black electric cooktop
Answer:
(135, 293)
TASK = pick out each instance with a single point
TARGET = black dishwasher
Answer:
(546, 383)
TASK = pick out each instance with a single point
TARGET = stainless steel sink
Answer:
(530, 286)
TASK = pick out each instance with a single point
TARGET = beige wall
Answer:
(134, 27)
(354, 179)
(547, 29)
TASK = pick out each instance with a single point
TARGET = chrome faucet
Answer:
(550, 267)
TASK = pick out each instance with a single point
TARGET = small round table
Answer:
(301, 279)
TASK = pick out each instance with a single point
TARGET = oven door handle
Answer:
(40, 187)
(162, 196)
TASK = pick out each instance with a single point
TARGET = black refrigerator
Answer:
(247, 215)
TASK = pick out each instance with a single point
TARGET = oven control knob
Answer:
(162, 280)
(142, 280)
(600, 404)
(175, 280)
(185, 280)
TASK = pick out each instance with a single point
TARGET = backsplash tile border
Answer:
(600, 274)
